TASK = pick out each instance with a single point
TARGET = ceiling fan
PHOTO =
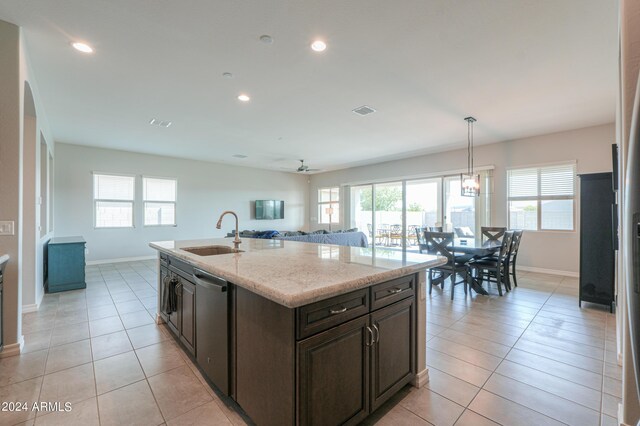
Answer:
(304, 169)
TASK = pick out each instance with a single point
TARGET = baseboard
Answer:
(548, 271)
(12, 349)
(120, 260)
(421, 379)
(34, 306)
(30, 308)
(621, 416)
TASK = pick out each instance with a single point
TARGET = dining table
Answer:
(477, 248)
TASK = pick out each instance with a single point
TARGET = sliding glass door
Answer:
(362, 210)
(459, 211)
(392, 214)
(423, 206)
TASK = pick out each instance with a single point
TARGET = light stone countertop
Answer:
(294, 273)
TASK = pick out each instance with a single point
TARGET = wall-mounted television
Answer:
(269, 209)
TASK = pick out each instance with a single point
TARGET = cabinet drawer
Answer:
(391, 291)
(320, 316)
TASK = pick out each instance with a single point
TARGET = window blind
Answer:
(112, 187)
(523, 182)
(557, 180)
(549, 181)
(155, 189)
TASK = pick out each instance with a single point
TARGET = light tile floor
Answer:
(531, 357)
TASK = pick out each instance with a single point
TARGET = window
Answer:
(159, 196)
(113, 200)
(542, 198)
(329, 205)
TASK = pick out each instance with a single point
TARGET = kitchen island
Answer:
(298, 333)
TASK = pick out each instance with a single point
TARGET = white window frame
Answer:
(324, 204)
(539, 198)
(145, 201)
(96, 200)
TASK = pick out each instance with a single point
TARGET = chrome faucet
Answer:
(236, 241)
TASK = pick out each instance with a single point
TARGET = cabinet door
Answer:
(393, 353)
(173, 319)
(333, 375)
(186, 305)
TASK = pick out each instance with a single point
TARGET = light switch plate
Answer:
(7, 227)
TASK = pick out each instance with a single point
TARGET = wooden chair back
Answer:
(440, 244)
(505, 248)
(515, 244)
(492, 233)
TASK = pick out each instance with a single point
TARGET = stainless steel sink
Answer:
(211, 250)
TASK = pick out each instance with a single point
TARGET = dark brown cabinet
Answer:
(182, 321)
(333, 375)
(347, 372)
(331, 362)
(186, 307)
(393, 352)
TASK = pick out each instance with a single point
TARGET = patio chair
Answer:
(463, 232)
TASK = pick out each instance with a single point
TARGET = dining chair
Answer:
(434, 228)
(441, 244)
(492, 233)
(497, 267)
(513, 255)
(422, 245)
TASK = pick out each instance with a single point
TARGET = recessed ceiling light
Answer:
(227, 75)
(239, 156)
(266, 39)
(82, 47)
(244, 98)
(318, 46)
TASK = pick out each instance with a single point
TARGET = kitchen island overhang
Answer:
(296, 302)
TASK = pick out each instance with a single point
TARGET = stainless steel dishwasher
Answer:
(212, 328)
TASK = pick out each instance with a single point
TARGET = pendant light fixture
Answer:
(470, 182)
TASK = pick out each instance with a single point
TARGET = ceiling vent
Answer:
(364, 110)
(161, 123)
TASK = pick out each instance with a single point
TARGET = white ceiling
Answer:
(521, 67)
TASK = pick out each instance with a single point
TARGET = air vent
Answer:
(161, 123)
(239, 156)
(364, 110)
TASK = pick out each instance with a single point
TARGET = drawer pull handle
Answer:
(337, 311)
(370, 338)
(376, 337)
(396, 290)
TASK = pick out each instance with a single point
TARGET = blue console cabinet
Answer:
(66, 264)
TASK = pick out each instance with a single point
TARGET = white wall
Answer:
(205, 190)
(559, 251)
(19, 177)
